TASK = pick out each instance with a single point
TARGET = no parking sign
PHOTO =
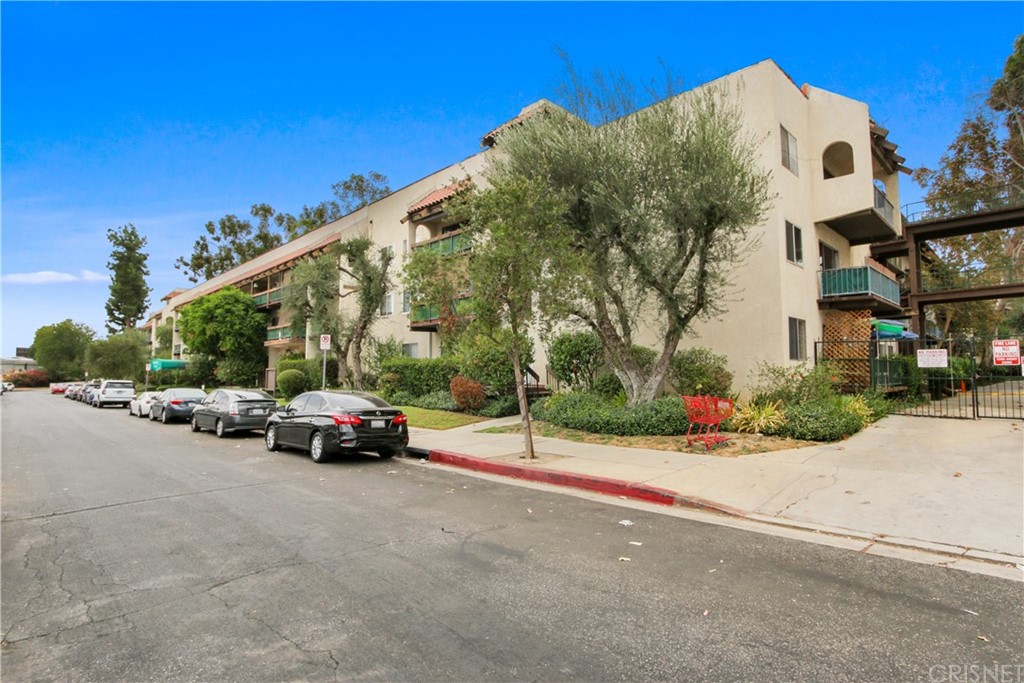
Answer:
(1005, 352)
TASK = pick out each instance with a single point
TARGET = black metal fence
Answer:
(957, 378)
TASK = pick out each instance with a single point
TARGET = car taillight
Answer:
(347, 420)
(400, 419)
(176, 401)
(233, 409)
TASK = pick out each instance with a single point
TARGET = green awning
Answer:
(156, 364)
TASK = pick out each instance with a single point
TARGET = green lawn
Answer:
(437, 419)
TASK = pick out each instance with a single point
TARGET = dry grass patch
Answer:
(738, 444)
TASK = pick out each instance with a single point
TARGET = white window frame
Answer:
(797, 339)
(387, 306)
(789, 151)
(794, 244)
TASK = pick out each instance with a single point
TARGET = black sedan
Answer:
(176, 404)
(233, 410)
(329, 422)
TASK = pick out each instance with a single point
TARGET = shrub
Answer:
(574, 357)
(503, 406)
(591, 413)
(418, 376)
(794, 385)
(608, 385)
(435, 400)
(401, 398)
(36, 377)
(877, 403)
(828, 420)
(291, 383)
(856, 405)
(485, 360)
(201, 371)
(700, 371)
(468, 393)
(312, 368)
(764, 418)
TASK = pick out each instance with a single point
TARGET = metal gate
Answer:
(971, 384)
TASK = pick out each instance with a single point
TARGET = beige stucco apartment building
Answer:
(835, 177)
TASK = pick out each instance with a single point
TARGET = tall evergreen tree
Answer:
(129, 294)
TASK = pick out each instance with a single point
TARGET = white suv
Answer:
(114, 392)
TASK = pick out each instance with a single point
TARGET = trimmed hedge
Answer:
(591, 413)
(293, 382)
(312, 368)
(417, 376)
(822, 421)
(436, 400)
(503, 406)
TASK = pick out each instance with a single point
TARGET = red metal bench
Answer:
(706, 413)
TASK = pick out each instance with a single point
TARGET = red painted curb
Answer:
(611, 487)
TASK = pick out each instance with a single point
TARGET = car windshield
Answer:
(120, 385)
(356, 401)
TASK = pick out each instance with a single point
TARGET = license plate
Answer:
(376, 424)
(257, 411)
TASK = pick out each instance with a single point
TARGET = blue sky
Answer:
(168, 115)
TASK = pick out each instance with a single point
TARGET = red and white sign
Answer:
(1005, 352)
(325, 342)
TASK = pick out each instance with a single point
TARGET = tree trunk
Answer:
(524, 406)
(357, 356)
(343, 370)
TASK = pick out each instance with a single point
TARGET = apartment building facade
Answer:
(835, 178)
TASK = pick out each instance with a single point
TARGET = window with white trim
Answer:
(406, 301)
(387, 306)
(411, 350)
(789, 159)
(794, 244)
(797, 339)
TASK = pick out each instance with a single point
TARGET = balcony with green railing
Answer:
(446, 245)
(278, 333)
(270, 297)
(859, 281)
(428, 316)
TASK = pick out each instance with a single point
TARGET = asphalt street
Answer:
(136, 551)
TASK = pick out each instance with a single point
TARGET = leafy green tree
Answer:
(983, 168)
(119, 356)
(165, 338)
(226, 326)
(660, 202)
(129, 294)
(230, 242)
(575, 358)
(513, 227)
(359, 191)
(61, 349)
(315, 296)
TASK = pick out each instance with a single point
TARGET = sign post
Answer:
(325, 345)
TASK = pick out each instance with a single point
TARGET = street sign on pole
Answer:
(1005, 352)
(325, 345)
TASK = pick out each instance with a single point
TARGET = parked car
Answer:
(71, 392)
(176, 404)
(85, 395)
(329, 422)
(8, 386)
(114, 392)
(139, 406)
(58, 387)
(231, 410)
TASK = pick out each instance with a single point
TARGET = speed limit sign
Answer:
(325, 342)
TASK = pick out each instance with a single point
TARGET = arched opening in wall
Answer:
(837, 160)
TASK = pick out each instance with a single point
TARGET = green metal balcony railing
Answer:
(275, 333)
(859, 280)
(424, 314)
(271, 297)
(446, 246)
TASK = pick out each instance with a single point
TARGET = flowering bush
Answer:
(28, 378)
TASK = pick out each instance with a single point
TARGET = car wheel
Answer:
(270, 438)
(164, 418)
(219, 428)
(316, 448)
(386, 453)
(195, 424)
(152, 416)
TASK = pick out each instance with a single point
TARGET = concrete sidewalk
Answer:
(953, 487)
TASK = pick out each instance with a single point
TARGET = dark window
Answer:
(797, 339)
(828, 258)
(298, 403)
(789, 159)
(357, 402)
(794, 244)
(315, 404)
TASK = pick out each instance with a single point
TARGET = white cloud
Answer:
(50, 277)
